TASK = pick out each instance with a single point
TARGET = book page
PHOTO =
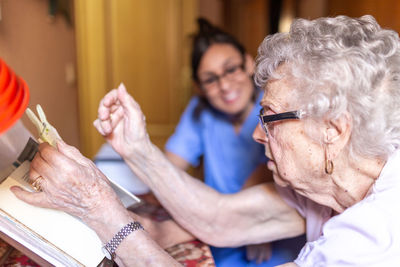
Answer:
(64, 231)
(23, 235)
(128, 199)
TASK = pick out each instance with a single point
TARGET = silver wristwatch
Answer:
(110, 248)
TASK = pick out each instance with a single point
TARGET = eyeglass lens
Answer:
(229, 73)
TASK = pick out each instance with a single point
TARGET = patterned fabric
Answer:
(12, 257)
(192, 254)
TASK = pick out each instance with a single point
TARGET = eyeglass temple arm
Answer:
(280, 116)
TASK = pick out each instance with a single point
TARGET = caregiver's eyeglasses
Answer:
(229, 73)
(266, 119)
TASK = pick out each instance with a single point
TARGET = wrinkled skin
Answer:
(71, 183)
(122, 123)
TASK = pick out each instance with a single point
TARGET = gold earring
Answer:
(328, 166)
(328, 163)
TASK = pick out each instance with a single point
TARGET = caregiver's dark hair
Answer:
(208, 35)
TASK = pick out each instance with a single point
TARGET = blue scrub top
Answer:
(229, 157)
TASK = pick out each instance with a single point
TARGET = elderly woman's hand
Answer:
(121, 122)
(69, 182)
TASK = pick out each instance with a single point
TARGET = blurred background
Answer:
(71, 52)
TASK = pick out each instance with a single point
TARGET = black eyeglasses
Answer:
(265, 119)
(229, 73)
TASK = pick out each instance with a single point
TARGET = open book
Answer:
(55, 236)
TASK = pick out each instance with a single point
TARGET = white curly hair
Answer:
(342, 65)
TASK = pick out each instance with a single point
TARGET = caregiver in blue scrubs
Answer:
(217, 126)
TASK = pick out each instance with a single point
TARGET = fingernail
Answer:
(15, 188)
(60, 142)
(122, 86)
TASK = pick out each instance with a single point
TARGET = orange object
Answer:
(14, 97)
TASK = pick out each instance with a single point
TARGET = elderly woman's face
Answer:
(295, 158)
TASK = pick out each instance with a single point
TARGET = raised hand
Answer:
(122, 123)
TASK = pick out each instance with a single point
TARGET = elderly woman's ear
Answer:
(338, 131)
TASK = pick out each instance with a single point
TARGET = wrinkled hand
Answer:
(121, 122)
(259, 252)
(70, 183)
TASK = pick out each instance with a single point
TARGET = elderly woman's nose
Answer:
(259, 135)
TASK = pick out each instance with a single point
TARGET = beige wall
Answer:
(40, 51)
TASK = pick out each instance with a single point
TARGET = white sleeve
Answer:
(364, 235)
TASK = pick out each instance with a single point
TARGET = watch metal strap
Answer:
(110, 248)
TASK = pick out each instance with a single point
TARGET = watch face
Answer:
(106, 252)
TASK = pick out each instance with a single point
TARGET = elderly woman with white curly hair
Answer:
(330, 124)
(331, 116)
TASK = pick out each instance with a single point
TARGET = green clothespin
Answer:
(47, 133)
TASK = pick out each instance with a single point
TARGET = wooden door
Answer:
(385, 11)
(145, 45)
